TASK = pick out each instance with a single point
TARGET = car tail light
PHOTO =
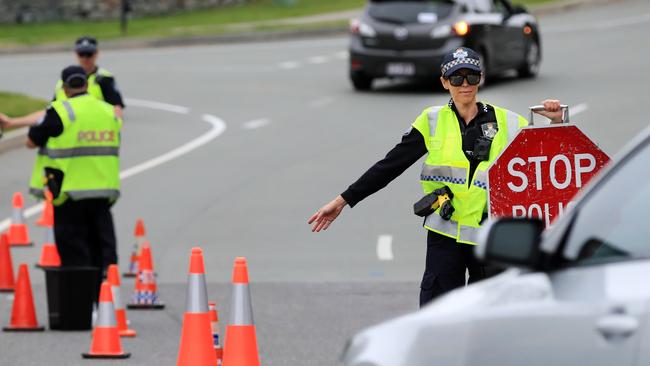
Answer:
(528, 30)
(461, 28)
(355, 64)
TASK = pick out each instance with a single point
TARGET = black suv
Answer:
(408, 38)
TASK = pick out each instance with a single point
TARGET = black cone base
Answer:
(123, 355)
(11, 329)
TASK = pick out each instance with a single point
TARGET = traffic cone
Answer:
(196, 346)
(145, 296)
(106, 338)
(240, 347)
(7, 283)
(23, 314)
(120, 312)
(18, 232)
(48, 209)
(214, 318)
(139, 234)
(49, 253)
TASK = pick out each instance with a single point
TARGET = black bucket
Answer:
(71, 292)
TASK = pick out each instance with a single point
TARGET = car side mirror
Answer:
(513, 242)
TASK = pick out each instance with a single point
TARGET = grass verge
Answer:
(15, 105)
(231, 19)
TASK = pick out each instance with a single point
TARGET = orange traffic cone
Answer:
(214, 318)
(106, 338)
(6, 265)
(196, 348)
(120, 312)
(23, 314)
(240, 348)
(49, 254)
(18, 232)
(48, 209)
(145, 296)
(139, 234)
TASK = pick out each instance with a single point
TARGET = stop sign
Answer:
(541, 171)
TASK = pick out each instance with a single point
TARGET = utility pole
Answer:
(125, 8)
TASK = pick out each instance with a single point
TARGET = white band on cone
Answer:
(197, 294)
(117, 297)
(106, 315)
(242, 308)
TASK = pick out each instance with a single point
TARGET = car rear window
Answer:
(410, 11)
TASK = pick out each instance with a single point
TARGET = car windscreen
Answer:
(611, 224)
(407, 12)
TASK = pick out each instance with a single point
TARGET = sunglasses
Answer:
(472, 79)
(86, 54)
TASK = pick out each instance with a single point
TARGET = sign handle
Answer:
(535, 108)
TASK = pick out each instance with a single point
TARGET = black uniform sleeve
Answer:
(109, 90)
(400, 158)
(49, 126)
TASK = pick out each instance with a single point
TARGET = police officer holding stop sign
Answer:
(461, 140)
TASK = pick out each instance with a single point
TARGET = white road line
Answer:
(289, 65)
(600, 25)
(318, 59)
(256, 123)
(158, 105)
(218, 127)
(577, 109)
(384, 248)
(321, 102)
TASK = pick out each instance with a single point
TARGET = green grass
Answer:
(15, 105)
(200, 22)
(213, 21)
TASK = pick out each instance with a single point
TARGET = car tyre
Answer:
(361, 82)
(532, 59)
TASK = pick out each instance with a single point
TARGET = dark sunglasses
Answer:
(85, 54)
(472, 79)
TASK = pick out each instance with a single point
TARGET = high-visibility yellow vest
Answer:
(447, 165)
(37, 181)
(87, 152)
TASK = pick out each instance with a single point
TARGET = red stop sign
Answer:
(541, 171)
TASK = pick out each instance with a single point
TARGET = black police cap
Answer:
(85, 44)
(74, 77)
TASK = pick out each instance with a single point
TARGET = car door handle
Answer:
(617, 326)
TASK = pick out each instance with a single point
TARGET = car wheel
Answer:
(530, 68)
(361, 82)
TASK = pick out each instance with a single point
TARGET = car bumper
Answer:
(377, 63)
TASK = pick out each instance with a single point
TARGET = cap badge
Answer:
(460, 53)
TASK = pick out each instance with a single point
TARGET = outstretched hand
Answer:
(324, 217)
(552, 110)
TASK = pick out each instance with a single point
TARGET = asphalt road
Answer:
(280, 132)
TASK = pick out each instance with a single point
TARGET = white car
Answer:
(575, 294)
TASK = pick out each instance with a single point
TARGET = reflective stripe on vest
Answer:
(436, 223)
(513, 125)
(94, 193)
(82, 151)
(433, 119)
(480, 179)
(445, 174)
(468, 234)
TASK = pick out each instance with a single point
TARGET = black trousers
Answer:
(85, 234)
(446, 263)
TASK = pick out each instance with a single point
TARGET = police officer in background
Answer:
(80, 135)
(461, 140)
